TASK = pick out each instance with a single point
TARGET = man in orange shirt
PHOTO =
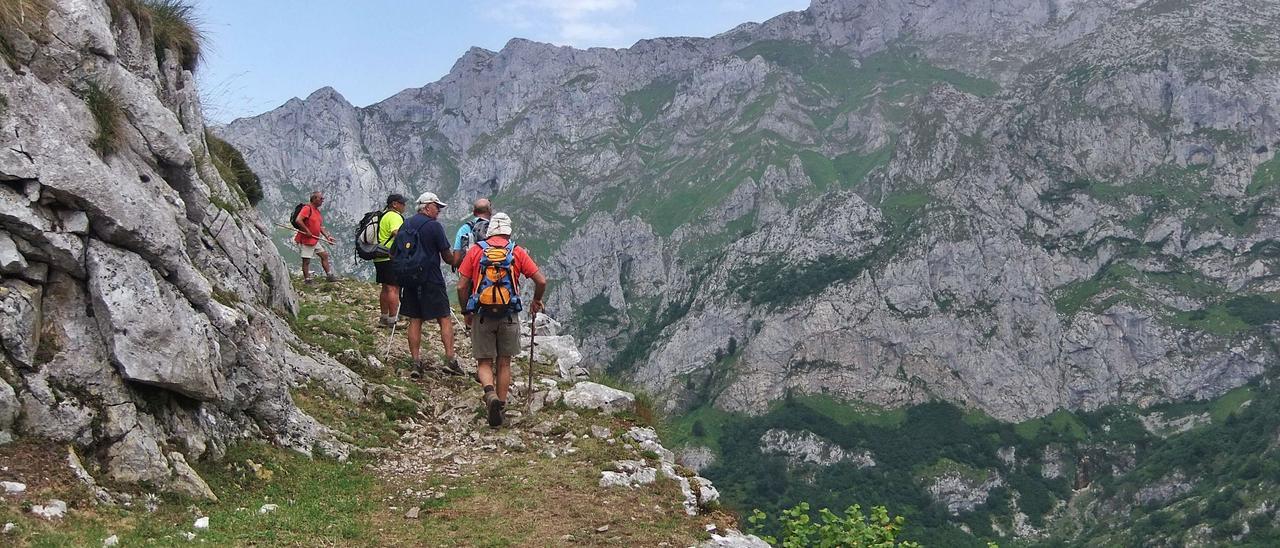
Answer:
(488, 285)
(308, 238)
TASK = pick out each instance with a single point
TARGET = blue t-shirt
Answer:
(463, 231)
(432, 239)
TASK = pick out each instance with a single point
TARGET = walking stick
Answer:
(528, 400)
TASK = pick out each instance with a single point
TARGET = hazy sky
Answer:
(260, 53)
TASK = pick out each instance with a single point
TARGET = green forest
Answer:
(1230, 462)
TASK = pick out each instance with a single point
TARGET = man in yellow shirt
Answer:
(388, 225)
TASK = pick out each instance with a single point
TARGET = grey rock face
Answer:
(1017, 233)
(141, 299)
(960, 493)
(1167, 488)
(807, 448)
(153, 333)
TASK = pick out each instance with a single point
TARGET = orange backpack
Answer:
(494, 293)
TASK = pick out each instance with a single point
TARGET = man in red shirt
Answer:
(495, 339)
(308, 238)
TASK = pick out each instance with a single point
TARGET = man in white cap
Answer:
(488, 284)
(420, 246)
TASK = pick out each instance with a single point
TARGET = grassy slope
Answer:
(508, 498)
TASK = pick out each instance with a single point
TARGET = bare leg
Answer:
(446, 335)
(415, 337)
(389, 299)
(306, 269)
(324, 263)
(504, 376)
(484, 368)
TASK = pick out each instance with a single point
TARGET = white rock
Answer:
(9, 528)
(202, 523)
(268, 508)
(112, 540)
(734, 539)
(601, 432)
(54, 509)
(13, 487)
(589, 395)
(189, 536)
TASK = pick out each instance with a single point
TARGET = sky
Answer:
(261, 53)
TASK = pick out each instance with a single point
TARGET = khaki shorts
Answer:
(310, 251)
(494, 337)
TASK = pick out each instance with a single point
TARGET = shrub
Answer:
(232, 167)
(106, 113)
(852, 529)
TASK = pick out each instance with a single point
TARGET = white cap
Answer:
(430, 198)
(499, 225)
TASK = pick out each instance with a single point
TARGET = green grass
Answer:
(1266, 177)
(846, 413)
(1230, 403)
(650, 100)
(945, 466)
(175, 26)
(107, 115)
(233, 168)
(1060, 424)
(680, 431)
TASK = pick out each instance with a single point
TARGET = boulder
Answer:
(154, 334)
(589, 395)
(11, 261)
(20, 319)
(734, 539)
(628, 473)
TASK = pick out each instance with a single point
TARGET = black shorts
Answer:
(424, 302)
(382, 273)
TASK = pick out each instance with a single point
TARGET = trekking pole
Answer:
(528, 400)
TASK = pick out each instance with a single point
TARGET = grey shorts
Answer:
(494, 337)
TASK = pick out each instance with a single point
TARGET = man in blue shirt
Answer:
(467, 235)
(429, 301)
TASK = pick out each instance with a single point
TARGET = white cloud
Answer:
(580, 23)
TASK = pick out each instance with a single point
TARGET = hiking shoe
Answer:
(307, 281)
(419, 370)
(452, 367)
(494, 406)
(330, 278)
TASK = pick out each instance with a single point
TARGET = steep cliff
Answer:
(1016, 206)
(144, 304)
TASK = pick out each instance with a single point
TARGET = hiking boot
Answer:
(452, 367)
(307, 281)
(330, 278)
(419, 369)
(494, 406)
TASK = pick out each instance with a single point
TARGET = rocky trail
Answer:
(581, 466)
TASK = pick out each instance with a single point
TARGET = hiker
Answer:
(473, 230)
(388, 225)
(419, 248)
(311, 228)
(489, 285)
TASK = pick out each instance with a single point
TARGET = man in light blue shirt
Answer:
(466, 236)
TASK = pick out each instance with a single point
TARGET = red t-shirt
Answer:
(522, 265)
(311, 219)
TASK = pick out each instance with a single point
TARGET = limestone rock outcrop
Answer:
(144, 305)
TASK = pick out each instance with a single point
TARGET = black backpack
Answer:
(293, 219)
(368, 245)
(479, 229)
(412, 262)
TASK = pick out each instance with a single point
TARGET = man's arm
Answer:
(299, 221)
(539, 288)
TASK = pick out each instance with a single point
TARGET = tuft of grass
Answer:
(233, 168)
(107, 114)
(174, 26)
(21, 16)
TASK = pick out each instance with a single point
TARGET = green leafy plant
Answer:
(799, 529)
